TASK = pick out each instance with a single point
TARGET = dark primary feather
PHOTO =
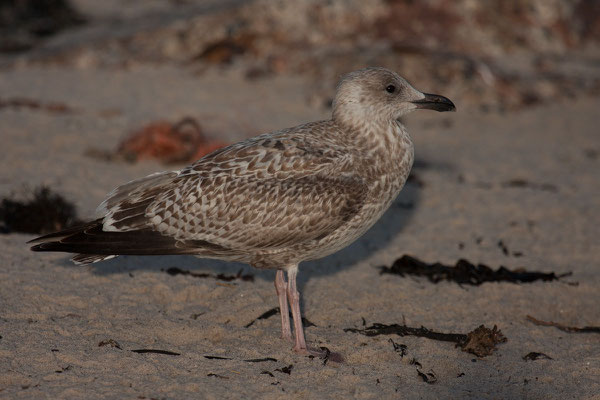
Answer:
(91, 240)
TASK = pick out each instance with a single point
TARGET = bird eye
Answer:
(390, 89)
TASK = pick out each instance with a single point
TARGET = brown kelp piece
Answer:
(482, 341)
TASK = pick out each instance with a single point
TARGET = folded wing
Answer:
(221, 207)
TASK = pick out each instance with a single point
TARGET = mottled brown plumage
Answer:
(274, 200)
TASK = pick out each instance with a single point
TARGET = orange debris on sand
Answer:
(169, 143)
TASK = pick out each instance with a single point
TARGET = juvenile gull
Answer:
(271, 201)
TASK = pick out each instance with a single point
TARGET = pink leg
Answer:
(294, 297)
(281, 289)
(300, 343)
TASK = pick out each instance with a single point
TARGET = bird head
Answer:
(378, 94)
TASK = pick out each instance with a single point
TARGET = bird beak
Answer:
(435, 102)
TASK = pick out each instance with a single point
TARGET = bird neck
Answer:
(377, 138)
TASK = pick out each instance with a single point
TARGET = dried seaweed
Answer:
(564, 328)
(44, 213)
(464, 272)
(24, 23)
(481, 341)
(377, 329)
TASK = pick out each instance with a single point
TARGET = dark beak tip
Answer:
(435, 102)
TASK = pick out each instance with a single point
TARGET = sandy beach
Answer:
(503, 187)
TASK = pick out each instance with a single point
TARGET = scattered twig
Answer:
(111, 343)
(217, 376)
(222, 277)
(326, 354)
(216, 358)
(165, 352)
(196, 315)
(564, 328)
(503, 247)
(286, 370)
(536, 356)
(399, 348)
(257, 360)
(265, 315)
(64, 369)
(31, 104)
(517, 183)
(428, 377)
(523, 183)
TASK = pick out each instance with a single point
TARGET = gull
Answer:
(273, 200)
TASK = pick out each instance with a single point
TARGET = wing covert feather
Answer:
(254, 213)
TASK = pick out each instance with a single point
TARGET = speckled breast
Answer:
(383, 191)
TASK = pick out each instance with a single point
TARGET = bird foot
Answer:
(323, 353)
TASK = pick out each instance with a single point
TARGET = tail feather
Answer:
(127, 229)
(94, 244)
(56, 236)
